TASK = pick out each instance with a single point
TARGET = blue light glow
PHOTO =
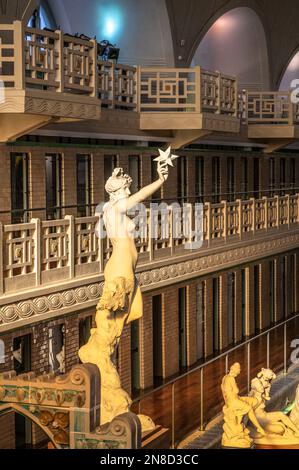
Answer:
(110, 23)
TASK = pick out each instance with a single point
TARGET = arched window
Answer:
(236, 45)
(42, 17)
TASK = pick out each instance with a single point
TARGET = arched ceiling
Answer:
(291, 73)
(236, 45)
(11, 10)
(191, 19)
(167, 32)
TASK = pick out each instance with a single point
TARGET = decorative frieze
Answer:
(166, 273)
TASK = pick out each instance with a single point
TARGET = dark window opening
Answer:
(57, 349)
(53, 186)
(84, 185)
(19, 188)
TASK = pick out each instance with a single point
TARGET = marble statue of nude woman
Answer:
(121, 300)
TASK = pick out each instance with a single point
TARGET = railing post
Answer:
(297, 207)
(71, 242)
(1, 260)
(209, 222)
(277, 199)
(291, 110)
(253, 212)
(218, 81)
(268, 350)
(225, 217)
(246, 98)
(172, 416)
(95, 78)
(285, 348)
(265, 202)
(37, 251)
(19, 51)
(59, 49)
(170, 221)
(226, 364)
(288, 211)
(198, 106)
(239, 201)
(201, 401)
(101, 253)
(138, 88)
(236, 99)
(248, 366)
(151, 233)
(112, 93)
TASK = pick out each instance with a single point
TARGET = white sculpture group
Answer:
(246, 420)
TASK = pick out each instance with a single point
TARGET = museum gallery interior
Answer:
(149, 224)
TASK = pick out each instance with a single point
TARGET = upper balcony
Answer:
(59, 264)
(51, 76)
(271, 117)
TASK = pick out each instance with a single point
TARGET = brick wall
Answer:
(208, 318)
(191, 324)
(250, 302)
(170, 332)
(223, 310)
(146, 343)
(124, 358)
(265, 314)
(238, 306)
(7, 434)
(277, 273)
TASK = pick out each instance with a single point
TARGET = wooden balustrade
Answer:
(268, 108)
(46, 252)
(57, 62)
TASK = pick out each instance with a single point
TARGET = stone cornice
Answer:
(151, 276)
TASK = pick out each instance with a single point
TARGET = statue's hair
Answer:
(233, 366)
(118, 181)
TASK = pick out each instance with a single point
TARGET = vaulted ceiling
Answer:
(11, 10)
(191, 19)
(168, 32)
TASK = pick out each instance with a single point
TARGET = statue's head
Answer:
(235, 369)
(118, 185)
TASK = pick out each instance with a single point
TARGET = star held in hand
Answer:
(166, 158)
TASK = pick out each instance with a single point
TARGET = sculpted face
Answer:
(235, 369)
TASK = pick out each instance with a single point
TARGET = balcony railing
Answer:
(268, 108)
(46, 252)
(57, 62)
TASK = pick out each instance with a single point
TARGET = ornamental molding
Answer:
(68, 301)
